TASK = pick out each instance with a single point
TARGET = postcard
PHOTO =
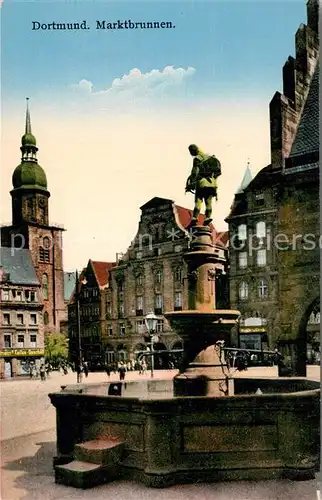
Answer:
(160, 249)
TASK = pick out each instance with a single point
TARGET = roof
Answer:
(18, 264)
(101, 271)
(155, 202)
(69, 284)
(307, 135)
(247, 178)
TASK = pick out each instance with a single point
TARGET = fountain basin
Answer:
(209, 326)
(187, 439)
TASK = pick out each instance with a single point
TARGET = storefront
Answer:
(253, 334)
(18, 362)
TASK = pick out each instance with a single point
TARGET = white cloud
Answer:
(141, 84)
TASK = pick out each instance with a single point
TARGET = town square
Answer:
(163, 340)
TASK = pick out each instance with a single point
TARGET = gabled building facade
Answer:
(274, 219)
(21, 325)
(151, 277)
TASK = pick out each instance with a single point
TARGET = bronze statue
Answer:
(203, 182)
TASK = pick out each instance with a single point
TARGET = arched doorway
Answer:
(122, 354)
(161, 361)
(313, 335)
(306, 335)
(110, 356)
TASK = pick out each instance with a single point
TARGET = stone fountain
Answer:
(203, 328)
(206, 426)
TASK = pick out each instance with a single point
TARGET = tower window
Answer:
(45, 286)
(44, 250)
(46, 318)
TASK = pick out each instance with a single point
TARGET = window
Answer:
(46, 318)
(261, 229)
(139, 305)
(21, 341)
(178, 275)
(243, 290)
(33, 340)
(7, 340)
(33, 319)
(262, 289)
(110, 331)
(158, 276)
(157, 252)
(20, 319)
(139, 280)
(259, 198)
(140, 326)
(33, 296)
(158, 304)
(138, 255)
(177, 248)
(19, 296)
(121, 308)
(44, 254)
(242, 232)
(160, 325)
(5, 294)
(45, 286)
(6, 319)
(122, 329)
(109, 309)
(242, 259)
(261, 257)
(177, 301)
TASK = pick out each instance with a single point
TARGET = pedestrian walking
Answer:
(108, 370)
(122, 371)
(86, 370)
(42, 372)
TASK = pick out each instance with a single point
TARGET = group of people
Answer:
(43, 372)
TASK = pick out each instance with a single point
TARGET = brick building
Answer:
(21, 326)
(274, 219)
(92, 288)
(150, 276)
(32, 230)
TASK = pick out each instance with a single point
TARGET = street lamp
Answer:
(78, 328)
(151, 325)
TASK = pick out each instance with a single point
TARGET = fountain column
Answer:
(202, 327)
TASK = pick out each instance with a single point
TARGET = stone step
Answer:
(100, 451)
(80, 474)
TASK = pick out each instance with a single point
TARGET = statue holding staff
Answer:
(202, 182)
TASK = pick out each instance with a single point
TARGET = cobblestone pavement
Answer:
(28, 446)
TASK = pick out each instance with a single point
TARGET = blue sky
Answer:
(146, 95)
(237, 48)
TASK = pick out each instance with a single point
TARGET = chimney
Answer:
(312, 9)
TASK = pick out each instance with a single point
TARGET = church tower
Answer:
(29, 194)
(32, 230)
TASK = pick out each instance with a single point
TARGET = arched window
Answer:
(261, 229)
(158, 276)
(139, 280)
(45, 286)
(262, 289)
(243, 290)
(46, 318)
(178, 275)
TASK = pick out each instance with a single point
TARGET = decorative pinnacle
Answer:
(28, 123)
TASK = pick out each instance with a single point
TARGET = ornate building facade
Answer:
(274, 220)
(21, 325)
(32, 230)
(149, 277)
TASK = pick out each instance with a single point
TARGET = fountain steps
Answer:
(95, 462)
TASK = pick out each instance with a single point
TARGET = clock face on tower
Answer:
(41, 202)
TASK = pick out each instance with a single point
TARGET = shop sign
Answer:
(253, 329)
(21, 353)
